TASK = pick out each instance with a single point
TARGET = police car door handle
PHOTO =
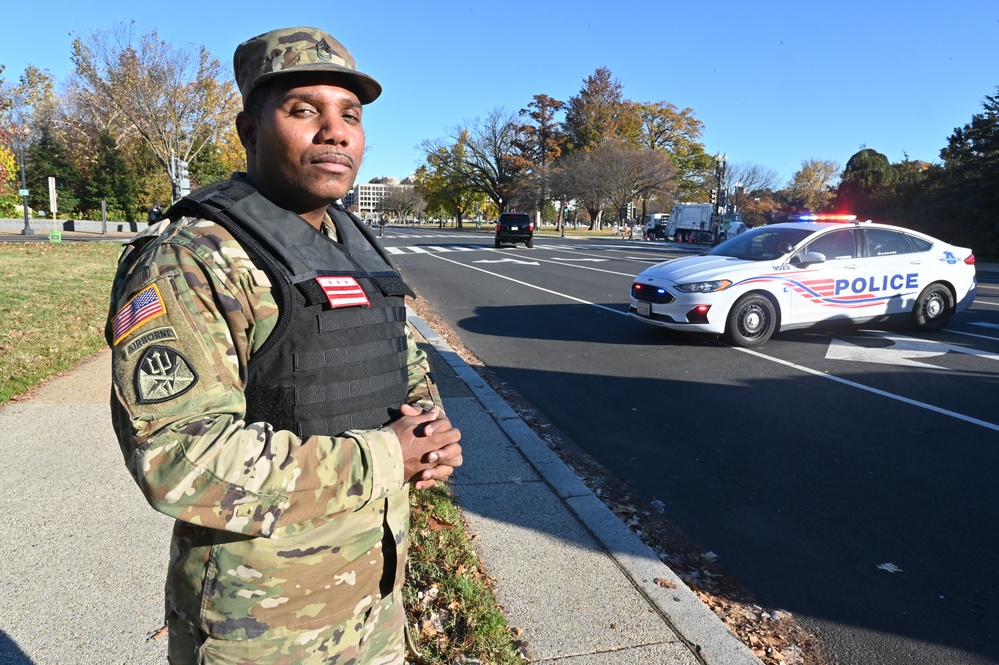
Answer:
(850, 266)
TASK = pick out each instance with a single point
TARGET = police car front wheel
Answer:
(933, 308)
(751, 321)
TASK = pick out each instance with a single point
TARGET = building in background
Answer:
(365, 198)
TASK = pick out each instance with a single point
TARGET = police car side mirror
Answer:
(808, 258)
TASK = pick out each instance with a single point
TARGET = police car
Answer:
(817, 270)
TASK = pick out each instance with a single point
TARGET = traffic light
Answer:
(183, 178)
(714, 196)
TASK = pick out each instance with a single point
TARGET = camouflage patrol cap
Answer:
(296, 50)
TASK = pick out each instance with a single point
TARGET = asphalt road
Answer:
(845, 476)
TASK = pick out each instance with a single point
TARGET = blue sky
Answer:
(775, 83)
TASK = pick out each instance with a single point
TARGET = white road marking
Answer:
(801, 368)
(525, 263)
(860, 386)
(902, 351)
(567, 258)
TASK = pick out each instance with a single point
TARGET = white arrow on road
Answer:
(902, 351)
(526, 263)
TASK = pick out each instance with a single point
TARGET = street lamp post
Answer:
(721, 165)
(26, 231)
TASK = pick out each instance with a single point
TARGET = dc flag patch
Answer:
(144, 307)
(343, 292)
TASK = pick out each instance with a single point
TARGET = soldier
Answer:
(267, 392)
(155, 213)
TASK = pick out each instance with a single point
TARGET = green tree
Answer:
(48, 157)
(969, 195)
(865, 185)
(112, 181)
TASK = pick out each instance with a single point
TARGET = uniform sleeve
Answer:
(182, 328)
(423, 390)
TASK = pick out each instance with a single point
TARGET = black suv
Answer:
(515, 227)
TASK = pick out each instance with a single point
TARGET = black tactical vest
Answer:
(337, 358)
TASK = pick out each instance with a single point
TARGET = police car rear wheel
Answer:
(751, 321)
(933, 309)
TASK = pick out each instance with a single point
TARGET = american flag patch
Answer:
(144, 307)
(343, 292)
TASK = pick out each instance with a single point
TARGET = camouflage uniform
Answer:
(277, 552)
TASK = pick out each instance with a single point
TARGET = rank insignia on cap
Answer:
(324, 51)
(343, 292)
(163, 373)
(144, 307)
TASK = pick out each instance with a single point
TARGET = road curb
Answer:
(703, 631)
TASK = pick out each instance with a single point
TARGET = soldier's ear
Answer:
(246, 127)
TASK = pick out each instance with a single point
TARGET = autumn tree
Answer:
(630, 174)
(443, 180)
(404, 201)
(752, 177)
(479, 157)
(540, 142)
(599, 112)
(811, 187)
(175, 98)
(8, 161)
(580, 177)
(666, 127)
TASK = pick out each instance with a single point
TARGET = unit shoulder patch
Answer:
(161, 374)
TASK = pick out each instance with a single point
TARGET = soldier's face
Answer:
(306, 147)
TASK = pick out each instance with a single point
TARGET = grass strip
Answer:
(53, 305)
(452, 611)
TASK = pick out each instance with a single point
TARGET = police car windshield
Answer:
(760, 244)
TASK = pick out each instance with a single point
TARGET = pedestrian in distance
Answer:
(155, 212)
(267, 391)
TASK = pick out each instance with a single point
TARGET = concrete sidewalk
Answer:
(84, 558)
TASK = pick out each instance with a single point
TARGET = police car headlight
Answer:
(704, 287)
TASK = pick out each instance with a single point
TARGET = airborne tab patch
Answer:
(145, 339)
(343, 292)
(161, 374)
(144, 307)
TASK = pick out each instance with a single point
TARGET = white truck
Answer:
(655, 226)
(698, 223)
